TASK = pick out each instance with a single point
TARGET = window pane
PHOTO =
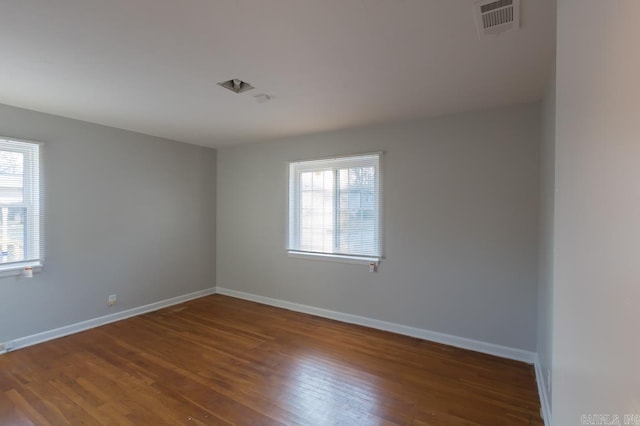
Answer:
(12, 234)
(11, 177)
(357, 211)
(316, 218)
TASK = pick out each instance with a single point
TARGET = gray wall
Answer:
(125, 213)
(545, 272)
(460, 225)
(596, 293)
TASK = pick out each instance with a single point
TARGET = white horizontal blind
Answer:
(334, 206)
(20, 220)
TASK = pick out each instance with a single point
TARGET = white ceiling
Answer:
(152, 66)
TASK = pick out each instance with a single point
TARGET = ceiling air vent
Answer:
(236, 85)
(497, 16)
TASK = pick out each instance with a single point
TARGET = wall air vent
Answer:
(497, 16)
(236, 85)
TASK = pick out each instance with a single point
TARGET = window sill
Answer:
(354, 260)
(18, 269)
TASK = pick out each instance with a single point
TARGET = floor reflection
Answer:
(327, 391)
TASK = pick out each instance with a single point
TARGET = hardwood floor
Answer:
(220, 360)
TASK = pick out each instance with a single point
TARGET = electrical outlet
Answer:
(112, 300)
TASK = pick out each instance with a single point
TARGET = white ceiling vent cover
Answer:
(497, 16)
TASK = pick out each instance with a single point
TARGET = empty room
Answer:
(319, 212)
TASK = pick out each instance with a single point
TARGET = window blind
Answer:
(334, 206)
(21, 243)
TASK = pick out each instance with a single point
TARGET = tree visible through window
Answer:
(334, 206)
(20, 228)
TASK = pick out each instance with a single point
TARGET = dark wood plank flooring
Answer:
(220, 360)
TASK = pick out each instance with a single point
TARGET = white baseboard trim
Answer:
(33, 339)
(447, 339)
(434, 336)
(542, 391)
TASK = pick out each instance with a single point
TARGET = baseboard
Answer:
(447, 339)
(23, 342)
(542, 391)
(460, 342)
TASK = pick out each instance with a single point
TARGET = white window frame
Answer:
(32, 201)
(293, 227)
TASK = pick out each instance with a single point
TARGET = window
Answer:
(334, 207)
(20, 228)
